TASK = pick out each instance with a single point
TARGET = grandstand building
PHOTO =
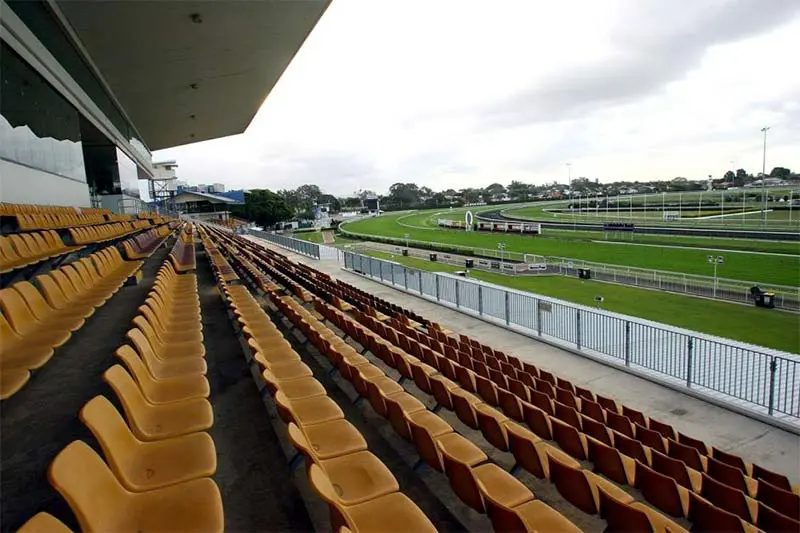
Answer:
(89, 89)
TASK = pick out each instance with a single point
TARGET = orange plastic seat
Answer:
(581, 487)
(426, 429)
(164, 390)
(309, 411)
(392, 513)
(334, 438)
(100, 503)
(44, 523)
(151, 422)
(143, 466)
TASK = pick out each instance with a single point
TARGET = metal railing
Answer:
(306, 248)
(786, 297)
(755, 379)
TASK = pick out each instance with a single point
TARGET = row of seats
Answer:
(182, 254)
(366, 496)
(105, 232)
(37, 319)
(143, 245)
(478, 482)
(25, 249)
(493, 394)
(488, 362)
(9, 209)
(158, 457)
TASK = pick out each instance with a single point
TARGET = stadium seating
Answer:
(158, 459)
(622, 443)
(24, 249)
(143, 245)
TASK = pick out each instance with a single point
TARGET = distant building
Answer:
(216, 188)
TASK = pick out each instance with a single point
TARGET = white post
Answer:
(699, 204)
(722, 205)
(791, 198)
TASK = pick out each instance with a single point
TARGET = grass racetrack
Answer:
(744, 260)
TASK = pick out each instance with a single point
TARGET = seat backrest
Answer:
(127, 391)
(727, 474)
(62, 277)
(630, 447)
(705, 516)
(572, 484)
(7, 333)
(110, 430)
(671, 467)
(725, 497)
(779, 480)
(688, 454)
(621, 517)
(595, 429)
(665, 429)
(52, 292)
(568, 438)
(136, 366)
(322, 485)
(772, 521)
(17, 312)
(619, 423)
(783, 501)
(90, 488)
(659, 490)
(36, 303)
(607, 461)
(462, 480)
(650, 438)
(7, 251)
(44, 523)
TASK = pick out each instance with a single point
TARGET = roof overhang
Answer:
(192, 196)
(193, 70)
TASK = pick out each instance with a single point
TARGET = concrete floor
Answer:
(755, 441)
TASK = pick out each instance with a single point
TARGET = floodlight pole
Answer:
(765, 129)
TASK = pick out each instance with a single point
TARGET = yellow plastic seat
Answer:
(426, 429)
(142, 466)
(358, 476)
(171, 351)
(27, 326)
(159, 368)
(12, 380)
(309, 411)
(100, 503)
(67, 280)
(165, 390)
(172, 332)
(155, 422)
(56, 298)
(44, 523)
(294, 389)
(536, 515)
(19, 353)
(392, 513)
(66, 319)
(334, 438)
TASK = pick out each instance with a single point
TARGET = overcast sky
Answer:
(464, 93)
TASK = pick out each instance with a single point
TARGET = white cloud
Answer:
(462, 93)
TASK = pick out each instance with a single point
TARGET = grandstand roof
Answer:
(192, 196)
(194, 70)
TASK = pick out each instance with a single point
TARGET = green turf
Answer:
(771, 328)
(310, 236)
(765, 269)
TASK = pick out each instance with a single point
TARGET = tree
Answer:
(730, 177)
(333, 203)
(495, 191)
(519, 191)
(351, 202)
(263, 207)
(780, 172)
(403, 195)
(292, 199)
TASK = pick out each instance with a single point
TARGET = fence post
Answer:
(690, 350)
(627, 343)
(773, 367)
(508, 308)
(457, 298)
(480, 300)
(538, 317)
(380, 266)
(419, 274)
(437, 288)
(578, 328)
(405, 276)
